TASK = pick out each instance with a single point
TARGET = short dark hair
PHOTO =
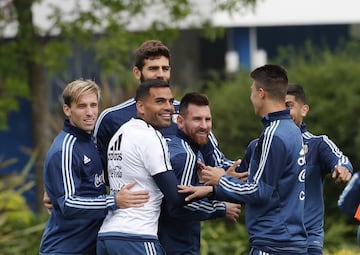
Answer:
(297, 91)
(149, 50)
(143, 90)
(272, 78)
(195, 98)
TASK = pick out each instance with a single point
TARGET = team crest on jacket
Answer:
(306, 148)
(99, 179)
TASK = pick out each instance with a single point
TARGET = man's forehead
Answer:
(158, 61)
(160, 92)
(196, 106)
(290, 98)
(194, 109)
(86, 97)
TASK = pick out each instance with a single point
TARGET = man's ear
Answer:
(137, 72)
(66, 110)
(304, 110)
(262, 92)
(180, 121)
(140, 107)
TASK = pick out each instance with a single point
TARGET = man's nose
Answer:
(203, 123)
(89, 110)
(170, 106)
(160, 73)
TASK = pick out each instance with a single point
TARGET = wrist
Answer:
(212, 192)
(116, 206)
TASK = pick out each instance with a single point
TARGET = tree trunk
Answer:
(40, 124)
(30, 45)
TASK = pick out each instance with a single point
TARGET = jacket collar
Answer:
(79, 133)
(272, 116)
(303, 127)
(187, 139)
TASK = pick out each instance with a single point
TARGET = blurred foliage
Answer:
(344, 252)
(20, 228)
(224, 237)
(234, 121)
(109, 33)
(11, 87)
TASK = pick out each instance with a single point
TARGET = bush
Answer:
(20, 229)
(224, 237)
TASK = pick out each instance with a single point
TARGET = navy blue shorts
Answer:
(126, 247)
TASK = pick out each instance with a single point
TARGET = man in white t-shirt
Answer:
(139, 152)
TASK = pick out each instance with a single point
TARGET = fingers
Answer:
(137, 197)
(242, 176)
(335, 174)
(348, 176)
(190, 197)
(209, 183)
(132, 201)
(201, 165)
(189, 189)
(47, 202)
(233, 216)
(138, 194)
(183, 189)
(236, 164)
(126, 198)
(212, 175)
(129, 185)
(341, 174)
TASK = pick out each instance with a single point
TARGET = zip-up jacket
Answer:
(275, 191)
(74, 181)
(322, 156)
(179, 232)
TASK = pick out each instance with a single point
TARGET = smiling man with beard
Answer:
(179, 231)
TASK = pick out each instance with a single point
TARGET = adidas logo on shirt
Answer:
(86, 159)
(114, 151)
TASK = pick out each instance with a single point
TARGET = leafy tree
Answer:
(101, 27)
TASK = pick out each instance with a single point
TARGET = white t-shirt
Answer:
(136, 152)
